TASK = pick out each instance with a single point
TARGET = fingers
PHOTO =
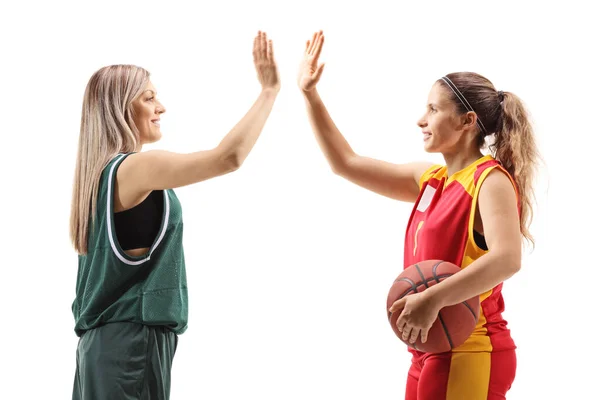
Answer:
(319, 45)
(263, 45)
(414, 334)
(312, 43)
(263, 48)
(401, 324)
(411, 333)
(314, 46)
(270, 55)
(404, 327)
(407, 332)
(398, 304)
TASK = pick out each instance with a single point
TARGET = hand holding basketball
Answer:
(416, 316)
(419, 312)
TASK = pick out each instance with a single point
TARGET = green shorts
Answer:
(124, 361)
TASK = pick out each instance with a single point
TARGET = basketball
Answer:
(453, 325)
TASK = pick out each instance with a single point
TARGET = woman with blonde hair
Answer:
(474, 212)
(126, 225)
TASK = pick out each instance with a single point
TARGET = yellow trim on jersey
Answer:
(465, 175)
(416, 233)
(479, 340)
(428, 174)
(471, 247)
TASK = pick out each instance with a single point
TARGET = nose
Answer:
(422, 122)
(160, 109)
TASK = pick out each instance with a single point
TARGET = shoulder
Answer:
(114, 161)
(430, 171)
(498, 187)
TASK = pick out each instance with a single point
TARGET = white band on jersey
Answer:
(109, 195)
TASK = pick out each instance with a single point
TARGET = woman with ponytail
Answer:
(474, 212)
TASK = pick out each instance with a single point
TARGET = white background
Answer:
(288, 264)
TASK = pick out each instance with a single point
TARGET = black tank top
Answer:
(137, 227)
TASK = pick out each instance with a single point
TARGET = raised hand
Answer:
(310, 71)
(264, 61)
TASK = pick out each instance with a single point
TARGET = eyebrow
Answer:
(433, 105)
(150, 90)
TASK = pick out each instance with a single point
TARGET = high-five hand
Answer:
(310, 71)
(264, 61)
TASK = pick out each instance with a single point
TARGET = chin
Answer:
(429, 149)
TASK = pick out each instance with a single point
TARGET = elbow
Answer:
(231, 161)
(512, 263)
(339, 166)
(336, 169)
(506, 259)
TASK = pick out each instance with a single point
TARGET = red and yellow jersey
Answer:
(441, 227)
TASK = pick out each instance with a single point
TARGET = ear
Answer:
(469, 120)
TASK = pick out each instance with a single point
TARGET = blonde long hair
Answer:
(107, 128)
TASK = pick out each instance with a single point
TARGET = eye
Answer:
(431, 109)
(150, 98)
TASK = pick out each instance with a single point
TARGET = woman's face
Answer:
(443, 128)
(147, 110)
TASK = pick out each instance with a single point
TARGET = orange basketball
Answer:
(453, 325)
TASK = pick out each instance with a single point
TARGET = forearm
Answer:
(238, 143)
(482, 275)
(332, 143)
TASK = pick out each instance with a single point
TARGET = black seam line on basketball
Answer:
(434, 271)
(470, 309)
(427, 280)
(446, 331)
(422, 276)
(414, 287)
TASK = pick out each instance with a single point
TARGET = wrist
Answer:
(311, 94)
(270, 91)
(435, 296)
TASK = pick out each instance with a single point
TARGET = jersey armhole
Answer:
(475, 200)
(110, 226)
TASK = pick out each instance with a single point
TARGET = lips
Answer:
(426, 135)
(156, 122)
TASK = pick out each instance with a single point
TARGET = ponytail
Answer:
(515, 148)
(504, 123)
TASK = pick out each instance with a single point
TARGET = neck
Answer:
(457, 161)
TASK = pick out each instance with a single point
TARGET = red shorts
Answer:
(461, 376)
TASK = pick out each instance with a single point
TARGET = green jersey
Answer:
(113, 286)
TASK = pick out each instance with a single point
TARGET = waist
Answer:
(164, 307)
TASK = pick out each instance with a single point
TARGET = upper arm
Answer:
(497, 205)
(397, 181)
(158, 169)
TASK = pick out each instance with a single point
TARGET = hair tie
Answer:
(500, 96)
